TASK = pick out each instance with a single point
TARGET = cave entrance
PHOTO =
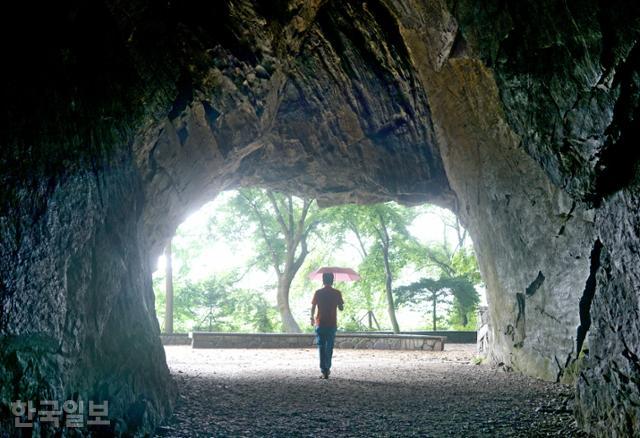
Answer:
(241, 263)
(134, 111)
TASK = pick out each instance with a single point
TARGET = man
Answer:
(326, 300)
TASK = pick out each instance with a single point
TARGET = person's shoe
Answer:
(326, 374)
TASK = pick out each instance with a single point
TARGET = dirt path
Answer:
(370, 394)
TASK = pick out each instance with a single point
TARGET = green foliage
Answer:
(465, 263)
(419, 291)
(215, 303)
(279, 226)
(274, 225)
(353, 322)
(383, 242)
(466, 297)
(459, 322)
(441, 290)
(451, 274)
(271, 220)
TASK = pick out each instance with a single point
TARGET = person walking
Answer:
(326, 301)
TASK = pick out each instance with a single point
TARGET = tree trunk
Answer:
(289, 324)
(389, 291)
(295, 233)
(168, 314)
(435, 303)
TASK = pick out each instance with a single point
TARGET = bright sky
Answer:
(220, 257)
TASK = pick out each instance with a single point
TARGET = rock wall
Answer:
(175, 339)
(569, 89)
(608, 395)
(77, 305)
(532, 240)
(361, 341)
(520, 117)
(326, 105)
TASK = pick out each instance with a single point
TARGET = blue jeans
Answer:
(325, 336)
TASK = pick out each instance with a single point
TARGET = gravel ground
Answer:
(249, 393)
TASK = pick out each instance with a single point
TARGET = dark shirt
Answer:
(327, 299)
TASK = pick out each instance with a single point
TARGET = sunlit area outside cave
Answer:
(243, 261)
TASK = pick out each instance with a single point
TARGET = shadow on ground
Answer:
(370, 393)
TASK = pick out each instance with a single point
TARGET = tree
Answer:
(435, 291)
(281, 225)
(222, 306)
(216, 303)
(382, 236)
(343, 226)
(382, 231)
(455, 268)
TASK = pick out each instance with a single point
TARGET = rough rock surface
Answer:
(527, 232)
(119, 117)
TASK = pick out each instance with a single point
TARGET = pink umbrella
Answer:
(339, 274)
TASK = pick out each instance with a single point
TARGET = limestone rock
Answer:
(121, 117)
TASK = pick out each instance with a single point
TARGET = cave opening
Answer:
(118, 117)
(237, 248)
(265, 388)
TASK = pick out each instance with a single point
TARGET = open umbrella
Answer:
(339, 274)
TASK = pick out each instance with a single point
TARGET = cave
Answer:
(119, 117)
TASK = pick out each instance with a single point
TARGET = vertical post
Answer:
(435, 303)
(168, 314)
